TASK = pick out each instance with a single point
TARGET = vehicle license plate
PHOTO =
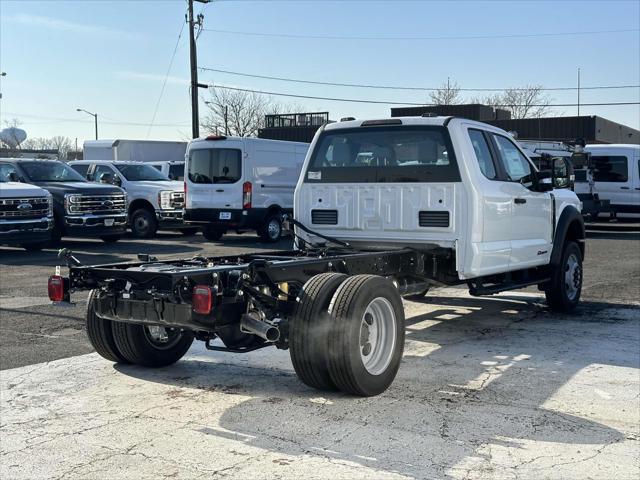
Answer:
(225, 216)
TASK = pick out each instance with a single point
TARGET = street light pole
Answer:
(95, 118)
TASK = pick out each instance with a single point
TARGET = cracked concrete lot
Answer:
(489, 388)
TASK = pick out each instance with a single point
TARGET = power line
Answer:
(164, 83)
(383, 102)
(422, 38)
(395, 87)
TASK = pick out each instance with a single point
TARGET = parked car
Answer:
(173, 170)
(241, 184)
(155, 202)
(616, 176)
(26, 213)
(383, 209)
(80, 208)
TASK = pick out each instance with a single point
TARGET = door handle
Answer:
(520, 200)
(624, 188)
(220, 191)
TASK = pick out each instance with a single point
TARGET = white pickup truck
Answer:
(384, 209)
(26, 214)
(154, 201)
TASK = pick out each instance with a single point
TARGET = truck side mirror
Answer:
(562, 173)
(542, 181)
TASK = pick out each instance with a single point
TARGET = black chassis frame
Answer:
(155, 292)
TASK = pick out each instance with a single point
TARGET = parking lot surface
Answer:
(489, 388)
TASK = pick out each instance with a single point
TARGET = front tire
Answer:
(271, 229)
(100, 334)
(564, 289)
(151, 346)
(309, 330)
(366, 340)
(143, 223)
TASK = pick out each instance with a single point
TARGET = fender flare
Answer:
(569, 216)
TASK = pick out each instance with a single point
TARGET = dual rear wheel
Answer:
(347, 333)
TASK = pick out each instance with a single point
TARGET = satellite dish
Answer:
(13, 136)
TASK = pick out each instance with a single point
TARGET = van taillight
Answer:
(185, 193)
(246, 195)
(201, 299)
(56, 288)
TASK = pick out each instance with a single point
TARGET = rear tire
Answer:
(139, 345)
(212, 234)
(143, 223)
(271, 229)
(366, 340)
(110, 238)
(100, 334)
(564, 289)
(309, 330)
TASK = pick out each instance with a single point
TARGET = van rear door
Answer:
(614, 176)
(214, 173)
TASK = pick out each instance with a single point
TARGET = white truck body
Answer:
(134, 150)
(493, 224)
(26, 216)
(240, 183)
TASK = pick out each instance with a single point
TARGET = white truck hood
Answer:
(17, 189)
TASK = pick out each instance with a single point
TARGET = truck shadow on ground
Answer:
(476, 378)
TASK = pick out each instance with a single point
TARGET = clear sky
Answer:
(111, 57)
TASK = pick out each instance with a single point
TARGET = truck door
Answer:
(532, 217)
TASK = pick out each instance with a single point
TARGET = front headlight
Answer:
(50, 204)
(70, 202)
(164, 200)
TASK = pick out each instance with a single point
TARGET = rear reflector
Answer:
(201, 299)
(56, 288)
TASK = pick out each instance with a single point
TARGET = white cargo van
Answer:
(616, 175)
(240, 184)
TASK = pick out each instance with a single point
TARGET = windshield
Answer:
(383, 154)
(139, 173)
(49, 171)
(215, 165)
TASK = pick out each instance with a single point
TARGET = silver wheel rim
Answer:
(572, 277)
(273, 229)
(141, 223)
(377, 336)
(162, 338)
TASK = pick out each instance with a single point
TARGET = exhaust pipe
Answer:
(249, 323)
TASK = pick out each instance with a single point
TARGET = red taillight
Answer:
(246, 194)
(56, 288)
(185, 193)
(201, 299)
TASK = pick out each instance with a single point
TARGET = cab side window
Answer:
(6, 169)
(514, 162)
(483, 153)
(101, 169)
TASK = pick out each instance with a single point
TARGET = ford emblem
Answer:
(25, 206)
(107, 204)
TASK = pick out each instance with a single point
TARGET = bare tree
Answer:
(62, 144)
(527, 102)
(448, 94)
(236, 113)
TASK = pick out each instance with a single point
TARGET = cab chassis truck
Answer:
(335, 301)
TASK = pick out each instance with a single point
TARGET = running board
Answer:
(480, 290)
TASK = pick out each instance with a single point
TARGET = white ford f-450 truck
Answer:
(384, 209)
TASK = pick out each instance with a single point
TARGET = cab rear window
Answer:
(382, 155)
(215, 165)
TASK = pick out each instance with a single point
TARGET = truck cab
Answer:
(155, 202)
(80, 209)
(401, 182)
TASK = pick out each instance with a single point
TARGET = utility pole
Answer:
(578, 91)
(195, 117)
